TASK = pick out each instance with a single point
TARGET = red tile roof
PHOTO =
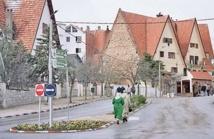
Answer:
(145, 30)
(205, 36)
(201, 75)
(154, 32)
(208, 65)
(95, 41)
(26, 21)
(26, 17)
(184, 30)
(89, 42)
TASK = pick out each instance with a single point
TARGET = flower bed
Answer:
(63, 125)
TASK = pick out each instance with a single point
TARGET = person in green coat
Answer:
(118, 103)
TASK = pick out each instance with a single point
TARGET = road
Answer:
(174, 118)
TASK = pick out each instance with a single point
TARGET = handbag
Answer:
(130, 109)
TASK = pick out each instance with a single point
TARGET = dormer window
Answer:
(74, 29)
(167, 40)
(194, 45)
(68, 29)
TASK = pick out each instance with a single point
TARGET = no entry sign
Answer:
(39, 90)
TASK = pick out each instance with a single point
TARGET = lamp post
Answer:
(159, 82)
(50, 74)
(159, 73)
(50, 70)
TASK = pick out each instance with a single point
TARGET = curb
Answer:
(74, 131)
(60, 108)
(62, 131)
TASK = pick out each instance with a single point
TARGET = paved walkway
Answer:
(57, 104)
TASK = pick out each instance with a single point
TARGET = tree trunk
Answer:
(85, 91)
(71, 89)
(155, 90)
(145, 89)
(101, 89)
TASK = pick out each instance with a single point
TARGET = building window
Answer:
(194, 45)
(171, 55)
(78, 39)
(161, 53)
(74, 29)
(191, 58)
(185, 72)
(167, 40)
(67, 39)
(78, 50)
(196, 60)
(174, 69)
(68, 29)
(44, 28)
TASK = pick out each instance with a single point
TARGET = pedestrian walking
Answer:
(127, 103)
(133, 90)
(118, 103)
(128, 89)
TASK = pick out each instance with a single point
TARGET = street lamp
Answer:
(50, 70)
(159, 73)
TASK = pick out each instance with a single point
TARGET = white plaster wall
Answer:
(44, 19)
(195, 38)
(174, 47)
(72, 45)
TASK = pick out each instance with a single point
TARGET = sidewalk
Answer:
(57, 104)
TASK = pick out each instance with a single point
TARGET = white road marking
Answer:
(60, 118)
(133, 118)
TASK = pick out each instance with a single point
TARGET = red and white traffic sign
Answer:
(40, 89)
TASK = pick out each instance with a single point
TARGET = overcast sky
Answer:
(106, 10)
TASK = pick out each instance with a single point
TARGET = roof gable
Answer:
(205, 36)
(154, 32)
(137, 26)
(26, 18)
(145, 30)
(184, 30)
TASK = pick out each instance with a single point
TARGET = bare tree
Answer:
(128, 70)
(170, 79)
(87, 73)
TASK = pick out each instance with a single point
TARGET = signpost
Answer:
(39, 91)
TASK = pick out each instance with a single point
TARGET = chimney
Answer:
(107, 29)
(9, 23)
(87, 28)
(159, 14)
(99, 27)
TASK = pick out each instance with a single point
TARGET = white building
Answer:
(73, 39)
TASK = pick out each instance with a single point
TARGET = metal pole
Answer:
(50, 75)
(67, 87)
(39, 110)
(159, 83)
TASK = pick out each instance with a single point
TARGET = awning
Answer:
(201, 75)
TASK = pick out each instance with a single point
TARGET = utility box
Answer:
(92, 90)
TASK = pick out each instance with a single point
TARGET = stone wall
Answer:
(11, 98)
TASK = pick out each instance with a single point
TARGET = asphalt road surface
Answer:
(166, 118)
